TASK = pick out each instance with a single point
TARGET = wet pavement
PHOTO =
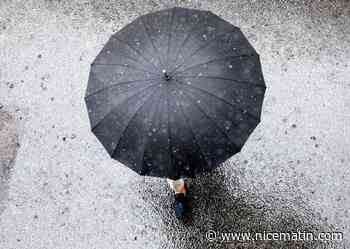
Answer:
(59, 189)
(8, 149)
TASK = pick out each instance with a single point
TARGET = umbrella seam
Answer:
(123, 65)
(178, 23)
(150, 39)
(146, 142)
(212, 120)
(217, 59)
(146, 88)
(199, 48)
(247, 83)
(131, 118)
(223, 100)
(170, 150)
(119, 83)
(189, 34)
(193, 135)
(169, 40)
(126, 56)
(136, 50)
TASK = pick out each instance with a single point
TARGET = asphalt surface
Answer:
(59, 189)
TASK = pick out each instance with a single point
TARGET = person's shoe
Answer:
(180, 205)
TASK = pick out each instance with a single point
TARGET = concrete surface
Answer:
(8, 150)
(64, 191)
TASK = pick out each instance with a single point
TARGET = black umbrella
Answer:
(175, 93)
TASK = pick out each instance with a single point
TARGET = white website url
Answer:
(212, 236)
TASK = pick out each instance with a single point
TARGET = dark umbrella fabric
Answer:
(175, 93)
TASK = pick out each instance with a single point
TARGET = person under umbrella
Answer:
(180, 189)
(175, 93)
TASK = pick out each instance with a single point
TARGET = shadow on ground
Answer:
(8, 151)
(214, 206)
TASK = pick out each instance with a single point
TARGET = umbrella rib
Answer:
(119, 83)
(197, 50)
(131, 119)
(177, 23)
(169, 38)
(243, 82)
(150, 39)
(170, 149)
(132, 96)
(213, 121)
(218, 59)
(189, 34)
(217, 97)
(126, 56)
(192, 133)
(136, 50)
(125, 65)
(146, 142)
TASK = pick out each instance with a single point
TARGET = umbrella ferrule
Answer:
(166, 75)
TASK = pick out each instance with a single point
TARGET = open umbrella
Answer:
(175, 93)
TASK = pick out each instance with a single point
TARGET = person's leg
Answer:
(180, 190)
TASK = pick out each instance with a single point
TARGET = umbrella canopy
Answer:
(175, 93)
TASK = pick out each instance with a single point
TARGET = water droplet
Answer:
(227, 124)
(198, 101)
(230, 66)
(210, 28)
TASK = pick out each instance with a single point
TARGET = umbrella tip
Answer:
(166, 75)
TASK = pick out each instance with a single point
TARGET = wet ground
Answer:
(63, 191)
